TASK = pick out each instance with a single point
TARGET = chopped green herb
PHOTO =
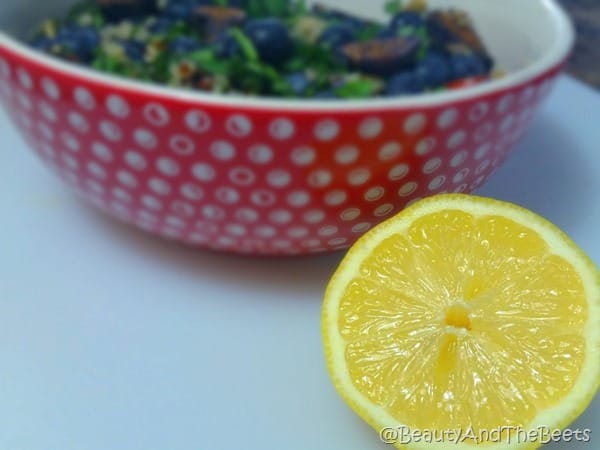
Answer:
(266, 8)
(393, 6)
(107, 63)
(245, 43)
(206, 60)
(425, 41)
(369, 32)
(361, 88)
(85, 8)
(299, 8)
(284, 56)
(282, 88)
(407, 31)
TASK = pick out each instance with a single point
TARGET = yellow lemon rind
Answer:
(558, 417)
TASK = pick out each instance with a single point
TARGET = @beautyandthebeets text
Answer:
(403, 434)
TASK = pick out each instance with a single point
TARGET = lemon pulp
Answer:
(461, 317)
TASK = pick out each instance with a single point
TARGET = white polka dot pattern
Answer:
(390, 151)
(102, 152)
(281, 129)
(5, 69)
(198, 121)
(346, 155)
(260, 154)
(258, 181)
(303, 156)
(336, 197)
(78, 122)
(84, 98)
(370, 128)
(159, 186)
(156, 114)
(110, 131)
(145, 138)
(117, 106)
(447, 118)
(203, 172)
(425, 145)
(327, 130)
(415, 123)
(223, 150)
(239, 125)
(136, 160)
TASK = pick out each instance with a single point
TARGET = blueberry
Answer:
(439, 35)
(465, 65)
(299, 82)
(406, 19)
(226, 46)
(488, 62)
(184, 44)
(43, 43)
(88, 37)
(327, 94)
(337, 35)
(81, 40)
(135, 50)
(183, 9)
(161, 25)
(271, 39)
(434, 69)
(404, 83)
(357, 23)
(117, 10)
(387, 33)
(178, 10)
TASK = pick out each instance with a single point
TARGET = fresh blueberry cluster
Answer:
(271, 48)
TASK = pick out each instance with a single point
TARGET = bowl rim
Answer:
(553, 58)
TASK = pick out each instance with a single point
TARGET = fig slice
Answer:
(116, 10)
(382, 56)
(213, 20)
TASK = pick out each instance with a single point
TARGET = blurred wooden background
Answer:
(585, 62)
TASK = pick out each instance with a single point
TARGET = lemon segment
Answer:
(465, 313)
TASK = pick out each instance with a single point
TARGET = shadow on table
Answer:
(287, 274)
(546, 173)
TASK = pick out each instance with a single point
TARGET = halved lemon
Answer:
(465, 321)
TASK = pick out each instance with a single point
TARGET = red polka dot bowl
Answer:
(269, 176)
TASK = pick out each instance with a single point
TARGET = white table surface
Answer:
(113, 340)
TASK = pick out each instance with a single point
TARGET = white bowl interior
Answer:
(19, 17)
(524, 37)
